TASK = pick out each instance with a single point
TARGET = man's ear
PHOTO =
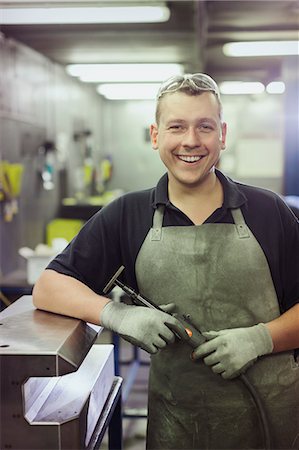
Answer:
(223, 135)
(154, 136)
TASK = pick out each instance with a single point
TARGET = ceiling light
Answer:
(241, 87)
(97, 73)
(129, 91)
(275, 87)
(86, 14)
(261, 48)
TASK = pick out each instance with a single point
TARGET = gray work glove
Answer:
(230, 352)
(147, 328)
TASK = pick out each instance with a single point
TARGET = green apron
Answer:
(219, 275)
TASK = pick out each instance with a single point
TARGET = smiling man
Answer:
(190, 136)
(200, 244)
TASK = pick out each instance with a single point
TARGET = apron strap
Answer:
(240, 223)
(156, 231)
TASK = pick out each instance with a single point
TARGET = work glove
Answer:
(230, 352)
(147, 328)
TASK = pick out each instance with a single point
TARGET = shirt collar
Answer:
(233, 197)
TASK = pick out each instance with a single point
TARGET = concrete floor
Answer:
(134, 428)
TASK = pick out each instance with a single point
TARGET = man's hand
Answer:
(230, 352)
(147, 328)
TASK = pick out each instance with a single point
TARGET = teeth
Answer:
(189, 159)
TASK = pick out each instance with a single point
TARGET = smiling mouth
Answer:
(189, 159)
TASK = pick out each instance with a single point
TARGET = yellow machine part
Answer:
(63, 228)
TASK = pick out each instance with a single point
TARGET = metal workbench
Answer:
(58, 388)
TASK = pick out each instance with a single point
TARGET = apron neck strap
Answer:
(156, 230)
(158, 216)
(240, 223)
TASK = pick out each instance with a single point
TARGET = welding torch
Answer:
(195, 338)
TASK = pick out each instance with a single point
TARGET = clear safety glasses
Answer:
(197, 81)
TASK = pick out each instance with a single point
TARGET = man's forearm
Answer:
(65, 295)
(285, 330)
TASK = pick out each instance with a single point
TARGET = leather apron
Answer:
(218, 274)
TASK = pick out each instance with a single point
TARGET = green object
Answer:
(11, 178)
(63, 228)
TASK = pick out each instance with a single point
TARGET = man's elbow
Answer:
(41, 291)
(37, 294)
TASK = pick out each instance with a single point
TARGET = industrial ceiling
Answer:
(194, 36)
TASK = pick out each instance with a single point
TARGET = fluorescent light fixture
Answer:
(98, 73)
(86, 14)
(241, 87)
(275, 87)
(129, 91)
(261, 48)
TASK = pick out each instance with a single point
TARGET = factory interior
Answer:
(77, 97)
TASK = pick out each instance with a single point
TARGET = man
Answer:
(225, 253)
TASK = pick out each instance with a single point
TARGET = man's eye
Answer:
(206, 127)
(175, 127)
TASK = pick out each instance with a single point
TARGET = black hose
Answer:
(260, 409)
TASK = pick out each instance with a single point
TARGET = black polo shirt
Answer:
(114, 235)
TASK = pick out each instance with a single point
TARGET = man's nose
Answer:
(191, 138)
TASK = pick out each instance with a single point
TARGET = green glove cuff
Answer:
(262, 340)
(112, 314)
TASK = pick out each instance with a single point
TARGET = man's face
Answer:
(189, 136)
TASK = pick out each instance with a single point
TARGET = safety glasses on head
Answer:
(197, 81)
